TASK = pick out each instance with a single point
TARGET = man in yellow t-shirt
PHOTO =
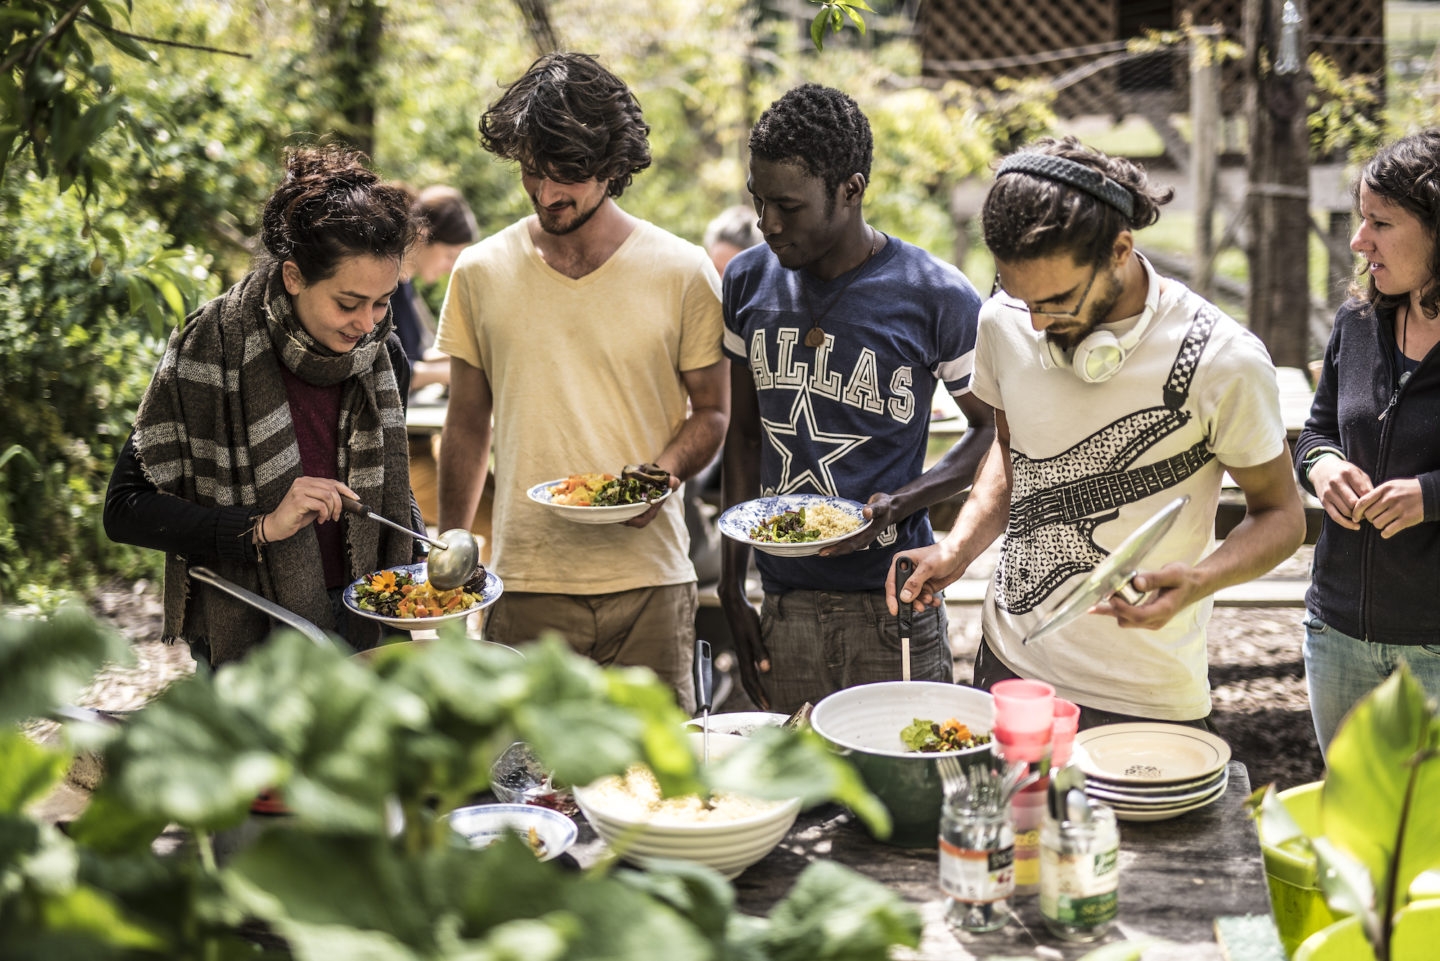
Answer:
(593, 338)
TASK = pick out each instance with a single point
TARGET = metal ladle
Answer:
(456, 553)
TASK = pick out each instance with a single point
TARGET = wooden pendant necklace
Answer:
(816, 335)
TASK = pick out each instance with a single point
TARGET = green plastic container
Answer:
(1298, 903)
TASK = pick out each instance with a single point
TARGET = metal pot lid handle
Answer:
(1113, 574)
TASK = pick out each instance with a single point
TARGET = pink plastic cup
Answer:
(1024, 718)
(1066, 723)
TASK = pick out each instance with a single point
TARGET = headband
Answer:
(1070, 172)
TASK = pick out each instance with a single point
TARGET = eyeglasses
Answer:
(995, 288)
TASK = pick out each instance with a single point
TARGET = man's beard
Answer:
(551, 225)
(1099, 309)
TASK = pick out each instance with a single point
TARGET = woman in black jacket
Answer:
(1371, 448)
(272, 402)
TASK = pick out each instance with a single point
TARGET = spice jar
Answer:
(977, 854)
(1079, 870)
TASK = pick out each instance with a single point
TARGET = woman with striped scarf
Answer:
(272, 402)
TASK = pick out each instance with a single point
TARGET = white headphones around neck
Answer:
(1101, 354)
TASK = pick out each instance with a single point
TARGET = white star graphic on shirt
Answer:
(802, 413)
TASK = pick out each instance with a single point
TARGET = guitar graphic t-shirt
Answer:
(1091, 462)
(852, 417)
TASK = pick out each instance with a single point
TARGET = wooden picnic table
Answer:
(1177, 877)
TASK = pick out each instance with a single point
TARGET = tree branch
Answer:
(164, 43)
(60, 26)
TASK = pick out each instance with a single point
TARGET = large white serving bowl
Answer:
(863, 724)
(727, 846)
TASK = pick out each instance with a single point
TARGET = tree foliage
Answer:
(125, 226)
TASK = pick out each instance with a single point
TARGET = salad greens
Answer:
(786, 528)
(931, 738)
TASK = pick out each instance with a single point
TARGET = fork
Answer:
(952, 776)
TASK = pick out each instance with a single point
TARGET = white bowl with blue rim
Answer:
(481, 825)
(611, 514)
(737, 522)
(489, 594)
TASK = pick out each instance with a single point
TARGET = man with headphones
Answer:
(1115, 391)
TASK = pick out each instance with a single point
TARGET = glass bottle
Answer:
(977, 854)
(1080, 874)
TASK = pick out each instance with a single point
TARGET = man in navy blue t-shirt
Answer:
(837, 334)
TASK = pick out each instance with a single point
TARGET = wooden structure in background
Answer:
(980, 41)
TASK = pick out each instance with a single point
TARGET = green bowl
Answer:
(863, 724)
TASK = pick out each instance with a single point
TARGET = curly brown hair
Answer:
(331, 206)
(569, 119)
(1027, 216)
(1406, 173)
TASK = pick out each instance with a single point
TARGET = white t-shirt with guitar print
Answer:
(1092, 462)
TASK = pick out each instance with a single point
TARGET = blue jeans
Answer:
(823, 641)
(1340, 670)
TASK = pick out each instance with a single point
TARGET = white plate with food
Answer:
(549, 833)
(793, 525)
(598, 498)
(1150, 752)
(381, 596)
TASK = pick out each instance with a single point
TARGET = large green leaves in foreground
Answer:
(1379, 804)
(351, 745)
(1380, 823)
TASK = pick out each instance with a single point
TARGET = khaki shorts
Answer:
(650, 627)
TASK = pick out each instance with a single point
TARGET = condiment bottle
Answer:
(1079, 862)
(977, 851)
(1024, 723)
(1028, 812)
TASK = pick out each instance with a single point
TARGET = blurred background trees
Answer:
(137, 144)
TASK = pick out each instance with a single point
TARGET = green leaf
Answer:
(86, 911)
(1128, 950)
(817, 28)
(1347, 886)
(698, 893)
(776, 763)
(27, 771)
(46, 661)
(834, 914)
(1380, 764)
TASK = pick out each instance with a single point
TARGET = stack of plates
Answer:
(1152, 771)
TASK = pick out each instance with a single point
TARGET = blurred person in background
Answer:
(594, 339)
(730, 231)
(272, 402)
(447, 226)
(1371, 452)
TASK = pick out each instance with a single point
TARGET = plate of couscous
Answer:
(793, 525)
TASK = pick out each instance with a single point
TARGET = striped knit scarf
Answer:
(214, 428)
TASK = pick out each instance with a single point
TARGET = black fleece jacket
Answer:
(1387, 591)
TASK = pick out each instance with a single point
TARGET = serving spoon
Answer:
(456, 552)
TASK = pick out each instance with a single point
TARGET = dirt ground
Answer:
(1256, 674)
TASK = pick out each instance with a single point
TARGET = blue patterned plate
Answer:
(738, 521)
(616, 514)
(488, 596)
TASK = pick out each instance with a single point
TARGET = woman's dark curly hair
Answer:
(1406, 173)
(819, 128)
(330, 206)
(570, 119)
(1027, 216)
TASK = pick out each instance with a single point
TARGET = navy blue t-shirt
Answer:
(852, 417)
